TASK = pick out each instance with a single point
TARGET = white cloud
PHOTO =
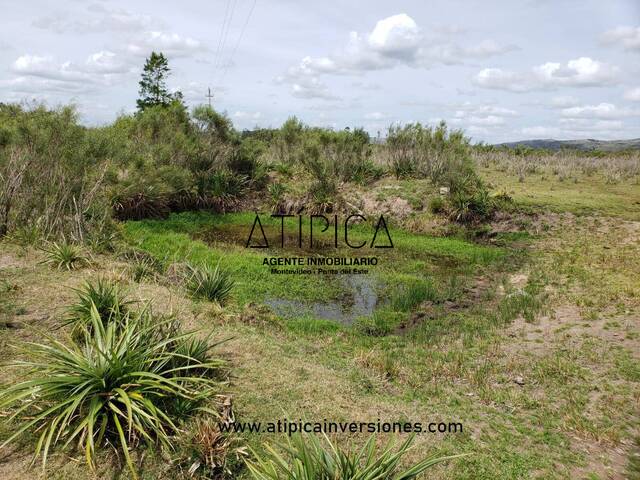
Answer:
(475, 118)
(396, 34)
(581, 72)
(100, 68)
(564, 101)
(540, 131)
(42, 87)
(577, 128)
(602, 110)
(395, 40)
(588, 125)
(247, 115)
(100, 19)
(488, 121)
(627, 37)
(171, 44)
(484, 109)
(633, 94)
(309, 88)
(106, 62)
(375, 116)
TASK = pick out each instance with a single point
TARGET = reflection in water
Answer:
(359, 301)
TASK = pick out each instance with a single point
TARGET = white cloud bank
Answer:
(394, 41)
(624, 36)
(580, 72)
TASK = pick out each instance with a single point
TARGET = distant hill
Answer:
(585, 145)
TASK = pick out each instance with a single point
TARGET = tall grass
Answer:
(614, 167)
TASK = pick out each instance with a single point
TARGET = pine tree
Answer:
(153, 89)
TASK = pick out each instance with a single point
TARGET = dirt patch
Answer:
(393, 206)
(10, 261)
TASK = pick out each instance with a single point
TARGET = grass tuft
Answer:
(65, 256)
(211, 283)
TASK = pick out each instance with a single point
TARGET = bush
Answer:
(436, 205)
(471, 205)
(119, 386)
(320, 459)
(210, 283)
(51, 173)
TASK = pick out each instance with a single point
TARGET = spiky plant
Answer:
(212, 453)
(310, 457)
(143, 268)
(119, 386)
(65, 256)
(211, 283)
(106, 296)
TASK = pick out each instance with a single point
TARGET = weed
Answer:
(212, 453)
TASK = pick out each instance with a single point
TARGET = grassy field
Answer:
(528, 337)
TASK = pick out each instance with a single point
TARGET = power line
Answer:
(235, 49)
(226, 34)
(222, 28)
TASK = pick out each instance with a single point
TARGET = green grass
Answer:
(417, 263)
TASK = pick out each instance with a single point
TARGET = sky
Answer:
(502, 70)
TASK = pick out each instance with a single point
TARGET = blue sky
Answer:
(501, 70)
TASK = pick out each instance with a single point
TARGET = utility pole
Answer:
(209, 96)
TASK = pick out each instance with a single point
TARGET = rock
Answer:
(444, 190)
(519, 380)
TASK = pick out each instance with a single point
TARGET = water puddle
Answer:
(360, 300)
(359, 297)
(237, 235)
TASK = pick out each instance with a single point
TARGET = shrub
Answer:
(65, 256)
(51, 172)
(325, 187)
(312, 458)
(436, 205)
(119, 386)
(210, 283)
(471, 205)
